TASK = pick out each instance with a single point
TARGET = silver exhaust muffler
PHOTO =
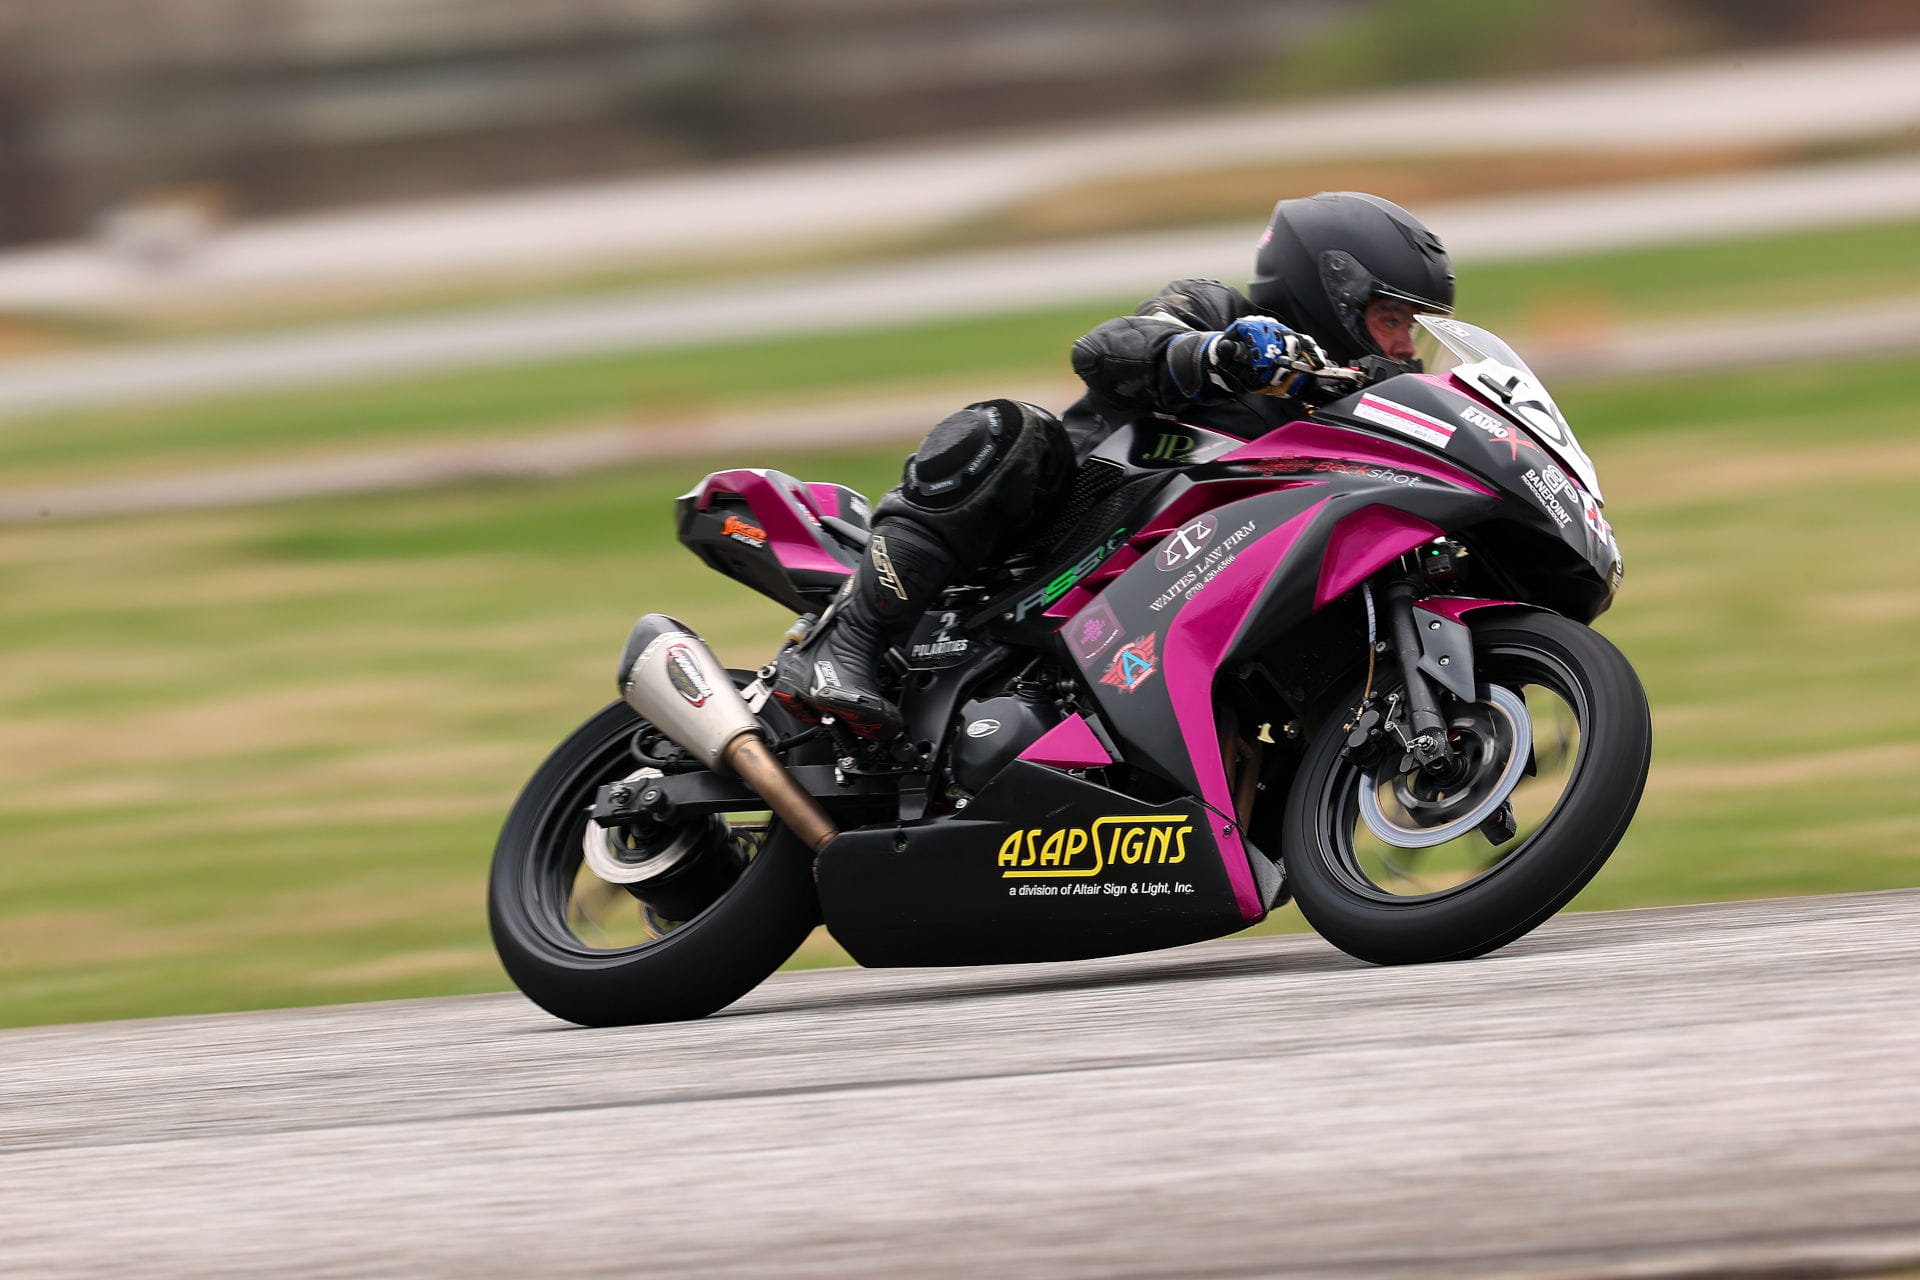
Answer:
(669, 676)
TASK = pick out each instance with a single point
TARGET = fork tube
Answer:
(1423, 713)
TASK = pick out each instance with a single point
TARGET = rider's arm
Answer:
(1198, 342)
(1154, 358)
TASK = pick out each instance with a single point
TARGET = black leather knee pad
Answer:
(976, 479)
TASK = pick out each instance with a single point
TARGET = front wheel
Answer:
(655, 925)
(1554, 755)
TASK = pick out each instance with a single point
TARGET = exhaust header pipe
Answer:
(670, 677)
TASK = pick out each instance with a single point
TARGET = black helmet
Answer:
(1323, 259)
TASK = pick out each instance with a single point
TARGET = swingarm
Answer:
(679, 796)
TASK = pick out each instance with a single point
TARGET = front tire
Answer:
(1471, 896)
(540, 900)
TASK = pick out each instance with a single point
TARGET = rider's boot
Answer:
(836, 671)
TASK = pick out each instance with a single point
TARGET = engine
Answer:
(991, 731)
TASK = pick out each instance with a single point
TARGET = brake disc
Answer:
(1501, 738)
(631, 854)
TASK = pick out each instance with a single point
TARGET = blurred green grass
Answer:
(1401, 43)
(668, 388)
(257, 757)
(1579, 296)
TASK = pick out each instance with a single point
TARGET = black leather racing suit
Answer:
(988, 477)
(1153, 361)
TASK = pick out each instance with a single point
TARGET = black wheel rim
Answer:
(572, 911)
(1561, 711)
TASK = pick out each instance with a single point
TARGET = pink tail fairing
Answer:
(787, 511)
(824, 499)
(791, 541)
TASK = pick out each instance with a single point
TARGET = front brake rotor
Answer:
(1493, 741)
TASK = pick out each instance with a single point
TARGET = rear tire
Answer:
(1527, 884)
(701, 966)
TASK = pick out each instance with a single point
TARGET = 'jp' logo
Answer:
(1172, 447)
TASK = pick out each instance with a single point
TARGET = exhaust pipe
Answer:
(669, 676)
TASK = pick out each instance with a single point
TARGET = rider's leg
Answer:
(970, 486)
(905, 567)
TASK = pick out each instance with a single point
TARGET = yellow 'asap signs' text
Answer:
(1087, 851)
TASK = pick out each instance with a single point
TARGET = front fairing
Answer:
(1480, 361)
(1553, 535)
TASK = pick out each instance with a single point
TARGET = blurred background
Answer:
(352, 351)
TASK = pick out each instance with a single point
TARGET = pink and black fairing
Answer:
(794, 541)
(1210, 573)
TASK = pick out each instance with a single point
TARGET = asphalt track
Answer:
(1710, 1090)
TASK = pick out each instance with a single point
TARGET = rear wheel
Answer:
(1554, 754)
(648, 925)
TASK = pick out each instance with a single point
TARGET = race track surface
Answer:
(1697, 1091)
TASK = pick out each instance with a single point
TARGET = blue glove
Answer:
(1259, 353)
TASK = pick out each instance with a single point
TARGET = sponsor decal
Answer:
(1092, 630)
(1602, 532)
(1065, 580)
(1327, 466)
(983, 728)
(942, 644)
(883, 562)
(740, 531)
(1181, 448)
(683, 673)
(1524, 395)
(1132, 663)
(1279, 466)
(1404, 421)
(1186, 542)
(1529, 402)
(1198, 574)
(1590, 511)
(1514, 438)
(1082, 853)
(1485, 421)
(1385, 475)
(1545, 493)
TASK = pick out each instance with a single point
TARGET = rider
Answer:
(1337, 280)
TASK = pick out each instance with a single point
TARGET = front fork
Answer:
(1426, 738)
(1440, 652)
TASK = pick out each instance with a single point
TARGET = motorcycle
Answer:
(1347, 662)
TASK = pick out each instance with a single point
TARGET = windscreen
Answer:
(1484, 362)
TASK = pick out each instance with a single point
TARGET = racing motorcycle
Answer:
(1347, 662)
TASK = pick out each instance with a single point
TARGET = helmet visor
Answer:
(1351, 288)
